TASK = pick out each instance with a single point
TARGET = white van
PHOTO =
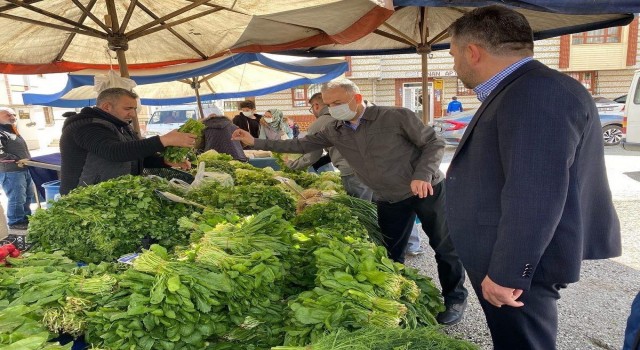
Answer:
(631, 123)
(169, 118)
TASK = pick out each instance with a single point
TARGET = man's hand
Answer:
(184, 165)
(498, 295)
(243, 136)
(421, 188)
(178, 139)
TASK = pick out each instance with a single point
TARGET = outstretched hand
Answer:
(178, 139)
(243, 136)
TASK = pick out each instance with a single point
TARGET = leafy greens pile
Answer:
(105, 221)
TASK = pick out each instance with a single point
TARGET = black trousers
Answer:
(533, 326)
(396, 221)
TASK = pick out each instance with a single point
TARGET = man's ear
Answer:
(358, 98)
(474, 53)
(105, 106)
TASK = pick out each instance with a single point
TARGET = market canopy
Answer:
(238, 75)
(68, 35)
(420, 26)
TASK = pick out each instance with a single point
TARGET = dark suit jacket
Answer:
(527, 189)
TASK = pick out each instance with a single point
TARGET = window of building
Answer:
(463, 91)
(300, 95)
(588, 79)
(600, 36)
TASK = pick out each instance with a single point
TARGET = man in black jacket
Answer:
(98, 143)
(16, 181)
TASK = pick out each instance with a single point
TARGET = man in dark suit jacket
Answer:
(527, 191)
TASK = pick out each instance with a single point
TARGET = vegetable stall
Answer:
(264, 260)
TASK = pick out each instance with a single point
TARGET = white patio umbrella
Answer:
(68, 35)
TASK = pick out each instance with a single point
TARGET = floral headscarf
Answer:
(278, 122)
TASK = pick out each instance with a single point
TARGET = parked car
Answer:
(631, 123)
(452, 128)
(169, 118)
(606, 105)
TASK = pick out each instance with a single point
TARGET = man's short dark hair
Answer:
(247, 104)
(113, 94)
(498, 29)
(317, 97)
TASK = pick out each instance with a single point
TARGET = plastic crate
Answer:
(20, 241)
(169, 173)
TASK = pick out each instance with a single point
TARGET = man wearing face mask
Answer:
(248, 120)
(98, 143)
(398, 157)
(16, 181)
(350, 182)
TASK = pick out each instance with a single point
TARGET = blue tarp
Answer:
(327, 72)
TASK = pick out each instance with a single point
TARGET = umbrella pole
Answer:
(119, 43)
(195, 85)
(124, 72)
(426, 98)
(122, 63)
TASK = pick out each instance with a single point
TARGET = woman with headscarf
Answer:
(274, 127)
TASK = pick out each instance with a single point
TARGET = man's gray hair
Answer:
(316, 98)
(498, 29)
(9, 110)
(111, 95)
(344, 83)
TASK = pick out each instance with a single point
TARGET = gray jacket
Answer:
(309, 158)
(390, 148)
(12, 147)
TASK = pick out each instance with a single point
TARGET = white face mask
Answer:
(247, 114)
(268, 120)
(343, 112)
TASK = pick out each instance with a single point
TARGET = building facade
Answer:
(603, 60)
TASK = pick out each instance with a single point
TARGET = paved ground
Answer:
(592, 312)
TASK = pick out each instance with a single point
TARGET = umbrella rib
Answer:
(393, 37)
(127, 16)
(210, 87)
(55, 26)
(54, 16)
(209, 76)
(67, 42)
(87, 12)
(11, 7)
(425, 25)
(400, 33)
(167, 25)
(442, 35)
(165, 17)
(276, 69)
(172, 31)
